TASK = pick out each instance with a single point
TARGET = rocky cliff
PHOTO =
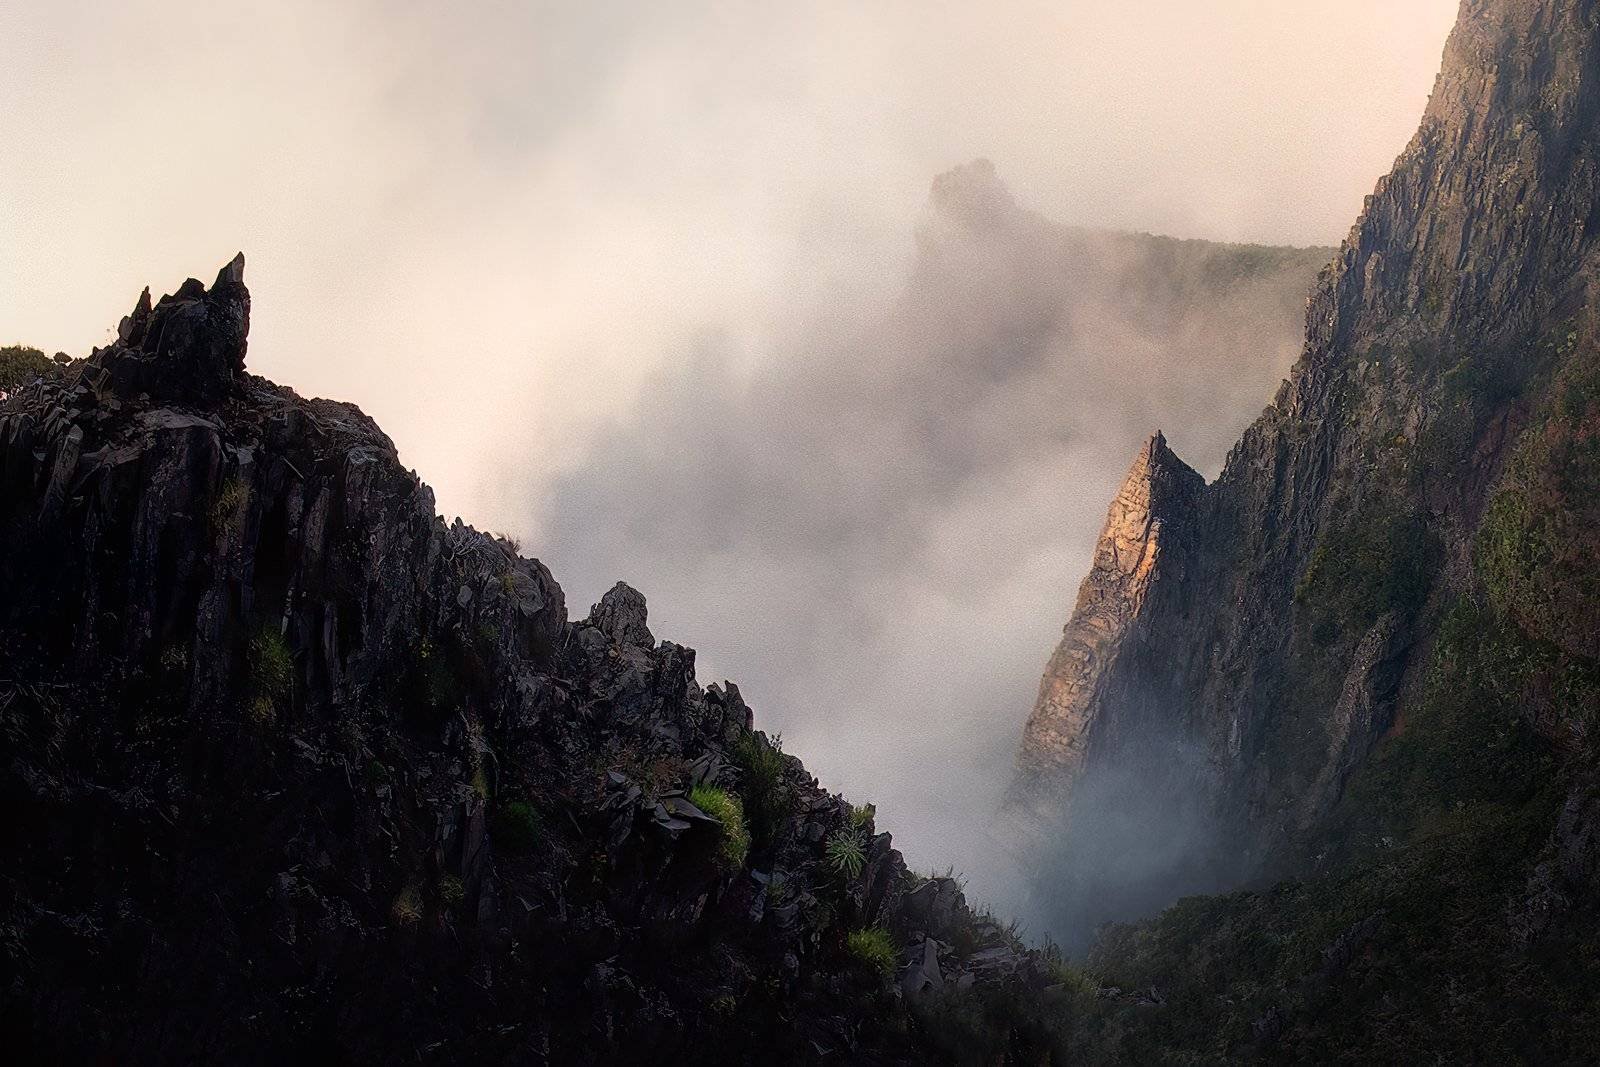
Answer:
(1363, 657)
(1311, 571)
(295, 770)
(1135, 553)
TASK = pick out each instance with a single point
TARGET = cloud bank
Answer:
(873, 529)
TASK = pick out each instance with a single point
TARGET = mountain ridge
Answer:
(289, 754)
(1354, 693)
(1281, 483)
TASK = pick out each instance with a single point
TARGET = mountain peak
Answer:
(972, 193)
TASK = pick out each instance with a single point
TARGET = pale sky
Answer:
(484, 221)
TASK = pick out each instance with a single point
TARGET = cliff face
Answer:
(1143, 538)
(295, 770)
(1292, 623)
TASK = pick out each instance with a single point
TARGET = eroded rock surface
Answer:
(294, 770)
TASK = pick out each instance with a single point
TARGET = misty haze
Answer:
(834, 533)
(880, 524)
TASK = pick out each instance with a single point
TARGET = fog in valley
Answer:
(879, 530)
(805, 320)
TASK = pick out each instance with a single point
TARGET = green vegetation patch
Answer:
(1382, 560)
(20, 365)
(726, 809)
(762, 766)
(271, 674)
(406, 910)
(1538, 549)
(516, 826)
(432, 687)
(226, 504)
(873, 948)
(1464, 754)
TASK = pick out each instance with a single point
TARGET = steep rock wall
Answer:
(1344, 516)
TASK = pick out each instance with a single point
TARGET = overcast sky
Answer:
(522, 203)
(504, 228)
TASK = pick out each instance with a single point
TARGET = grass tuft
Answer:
(407, 907)
(846, 853)
(726, 809)
(873, 948)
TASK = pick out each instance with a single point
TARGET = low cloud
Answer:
(878, 530)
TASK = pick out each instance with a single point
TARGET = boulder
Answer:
(621, 616)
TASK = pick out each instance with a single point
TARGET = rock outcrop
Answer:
(294, 770)
(191, 345)
(621, 616)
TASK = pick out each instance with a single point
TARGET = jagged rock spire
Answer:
(1158, 493)
(190, 346)
(132, 328)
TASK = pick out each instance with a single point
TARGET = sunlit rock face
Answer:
(1149, 512)
(1252, 676)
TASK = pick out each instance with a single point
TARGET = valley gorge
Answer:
(296, 770)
